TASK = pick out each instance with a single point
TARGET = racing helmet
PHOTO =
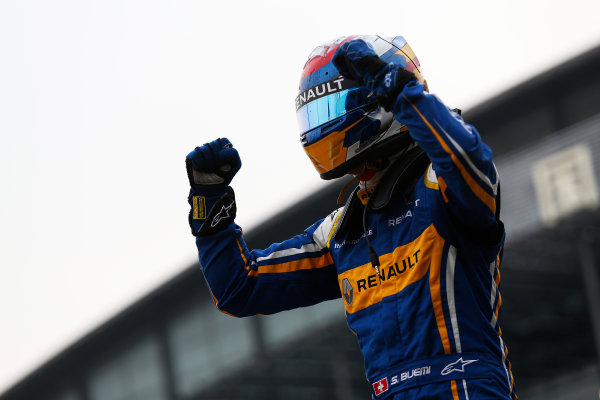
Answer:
(341, 124)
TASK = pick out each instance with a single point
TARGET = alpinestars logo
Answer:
(223, 213)
(388, 79)
(380, 386)
(457, 366)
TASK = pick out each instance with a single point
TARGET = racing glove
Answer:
(210, 169)
(358, 61)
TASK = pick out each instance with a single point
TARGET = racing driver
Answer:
(415, 251)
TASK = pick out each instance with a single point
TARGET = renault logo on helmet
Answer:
(347, 291)
(324, 89)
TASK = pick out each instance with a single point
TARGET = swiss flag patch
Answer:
(380, 386)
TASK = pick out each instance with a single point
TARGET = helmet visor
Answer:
(323, 110)
(327, 101)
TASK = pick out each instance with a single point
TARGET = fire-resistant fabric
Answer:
(429, 323)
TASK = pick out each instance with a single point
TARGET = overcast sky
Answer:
(100, 101)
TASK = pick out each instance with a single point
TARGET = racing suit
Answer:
(427, 319)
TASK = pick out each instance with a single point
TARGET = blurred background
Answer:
(100, 293)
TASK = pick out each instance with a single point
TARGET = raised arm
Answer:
(295, 273)
(461, 162)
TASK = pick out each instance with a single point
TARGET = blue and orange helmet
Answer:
(341, 124)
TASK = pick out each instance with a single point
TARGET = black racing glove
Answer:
(358, 61)
(210, 169)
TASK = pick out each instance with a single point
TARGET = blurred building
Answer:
(545, 133)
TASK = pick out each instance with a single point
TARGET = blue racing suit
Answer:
(427, 320)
